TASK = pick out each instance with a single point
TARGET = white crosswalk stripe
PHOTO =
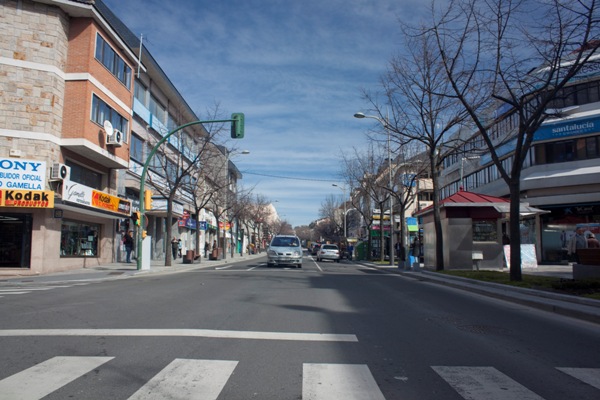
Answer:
(339, 381)
(188, 379)
(12, 290)
(591, 376)
(484, 383)
(195, 379)
(44, 378)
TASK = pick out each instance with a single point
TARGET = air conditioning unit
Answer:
(60, 172)
(116, 139)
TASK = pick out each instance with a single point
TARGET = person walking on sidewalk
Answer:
(128, 243)
(174, 247)
(578, 241)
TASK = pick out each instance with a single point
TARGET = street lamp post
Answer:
(145, 172)
(343, 189)
(386, 126)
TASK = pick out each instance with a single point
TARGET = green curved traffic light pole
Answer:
(237, 132)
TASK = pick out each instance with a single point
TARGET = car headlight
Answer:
(297, 253)
(272, 252)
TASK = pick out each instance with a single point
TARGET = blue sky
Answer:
(296, 69)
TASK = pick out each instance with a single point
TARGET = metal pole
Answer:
(392, 244)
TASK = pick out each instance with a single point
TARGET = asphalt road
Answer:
(247, 331)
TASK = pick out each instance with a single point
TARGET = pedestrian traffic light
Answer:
(237, 126)
(148, 199)
(136, 217)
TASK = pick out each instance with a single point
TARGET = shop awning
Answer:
(524, 209)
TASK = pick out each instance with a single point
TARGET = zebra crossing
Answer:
(205, 379)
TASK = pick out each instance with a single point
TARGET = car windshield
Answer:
(285, 242)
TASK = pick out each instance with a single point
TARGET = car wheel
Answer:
(338, 260)
(299, 265)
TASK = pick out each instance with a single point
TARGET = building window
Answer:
(141, 93)
(157, 109)
(136, 149)
(79, 239)
(112, 61)
(85, 176)
(567, 150)
(485, 231)
(102, 112)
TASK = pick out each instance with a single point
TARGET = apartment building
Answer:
(81, 109)
(561, 174)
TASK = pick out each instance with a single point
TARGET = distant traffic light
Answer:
(144, 234)
(237, 125)
(136, 216)
(148, 199)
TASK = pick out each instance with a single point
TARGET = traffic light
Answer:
(148, 199)
(136, 216)
(144, 234)
(237, 126)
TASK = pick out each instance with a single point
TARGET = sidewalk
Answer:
(123, 270)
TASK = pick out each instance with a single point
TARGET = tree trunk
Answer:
(515, 231)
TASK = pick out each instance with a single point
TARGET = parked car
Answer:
(329, 252)
(285, 250)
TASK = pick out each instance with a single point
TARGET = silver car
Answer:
(329, 252)
(285, 250)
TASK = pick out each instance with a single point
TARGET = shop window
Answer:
(79, 239)
(15, 240)
(485, 231)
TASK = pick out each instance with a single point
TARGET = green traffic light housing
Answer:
(237, 125)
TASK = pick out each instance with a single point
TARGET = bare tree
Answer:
(417, 94)
(361, 172)
(328, 228)
(173, 168)
(503, 64)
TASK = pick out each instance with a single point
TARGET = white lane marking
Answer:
(591, 376)
(225, 267)
(210, 333)
(339, 381)
(9, 293)
(188, 379)
(44, 378)
(484, 383)
(32, 289)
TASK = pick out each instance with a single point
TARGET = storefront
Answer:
(559, 225)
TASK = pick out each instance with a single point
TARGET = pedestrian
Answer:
(206, 249)
(179, 247)
(578, 241)
(174, 247)
(128, 243)
(592, 242)
(350, 251)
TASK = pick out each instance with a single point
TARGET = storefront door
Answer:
(15, 240)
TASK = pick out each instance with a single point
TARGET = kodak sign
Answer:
(27, 198)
